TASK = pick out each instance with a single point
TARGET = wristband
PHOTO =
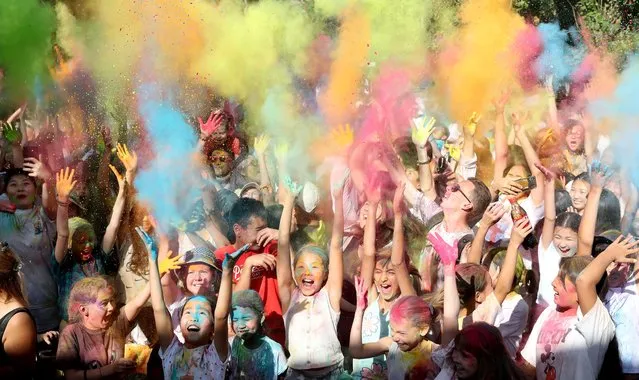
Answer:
(60, 203)
(419, 163)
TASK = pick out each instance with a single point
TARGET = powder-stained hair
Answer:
(412, 308)
(85, 292)
(250, 299)
(314, 249)
(471, 278)
(571, 267)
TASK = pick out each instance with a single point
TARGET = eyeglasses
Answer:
(455, 188)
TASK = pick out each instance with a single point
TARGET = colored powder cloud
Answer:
(346, 70)
(484, 62)
(249, 50)
(26, 29)
(528, 46)
(559, 58)
(171, 179)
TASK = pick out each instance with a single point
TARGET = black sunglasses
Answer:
(455, 188)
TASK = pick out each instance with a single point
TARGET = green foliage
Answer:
(536, 10)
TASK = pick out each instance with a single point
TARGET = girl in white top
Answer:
(386, 276)
(559, 238)
(311, 299)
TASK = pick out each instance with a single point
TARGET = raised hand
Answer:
(12, 133)
(600, 174)
(36, 168)
(281, 152)
(119, 177)
(518, 119)
(621, 248)
(501, 101)
(398, 198)
(471, 126)
(454, 151)
(292, 187)
(266, 235)
(342, 135)
(373, 188)
(362, 293)
(508, 186)
(420, 134)
(521, 229)
(64, 184)
(170, 263)
(212, 123)
(261, 144)
(493, 214)
(128, 159)
(231, 258)
(447, 254)
(149, 243)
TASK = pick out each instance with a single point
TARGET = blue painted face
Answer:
(246, 322)
(197, 321)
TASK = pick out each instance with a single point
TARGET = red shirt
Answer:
(265, 284)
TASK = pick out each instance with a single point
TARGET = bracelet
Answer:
(60, 203)
(423, 163)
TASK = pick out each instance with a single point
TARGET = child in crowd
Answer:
(311, 297)
(201, 319)
(75, 256)
(253, 354)
(91, 346)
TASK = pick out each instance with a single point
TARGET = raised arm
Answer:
(492, 215)
(532, 159)
(397, 253)
(111, 232)
(285, 283)
(160, 312)
(617, 252)
(468, 148)
(39, 170)
(548, 230)
(266, 188)
(335, 260)
(223, 306)
(599, 175)
(448, 257)
(420, 135)
(355, 346)
(501, 143)
(521, 229)
(64, 186)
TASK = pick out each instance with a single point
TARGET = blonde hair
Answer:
(85, 292)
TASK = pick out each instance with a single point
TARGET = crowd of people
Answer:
(437, 254)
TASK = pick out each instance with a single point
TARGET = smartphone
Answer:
(31, 151)
(527, 183)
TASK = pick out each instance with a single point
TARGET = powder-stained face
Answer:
(310, 273)
(222, 162)
(246, 322)
(565, 240)
(197, 321)
(21, 191)
(82, 245)
(575, 138)
(385, 280)
(406, 334)
(98, 315)
(465, 364)
(565, 293)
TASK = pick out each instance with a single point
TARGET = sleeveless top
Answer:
(4, 359)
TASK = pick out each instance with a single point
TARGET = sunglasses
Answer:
(455, 188)
(218, 159)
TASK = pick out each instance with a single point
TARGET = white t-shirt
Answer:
(569, 347)
(623, 306)
(549, 259)
(511, 321)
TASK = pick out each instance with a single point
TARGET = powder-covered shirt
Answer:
(265, 362)
(69, 271)
(418, 364)
(311, 331)
(549, 259)
(84, 349)
(375, 326)
(569, 347)
(31, 236)
(623, 307)
(202, 363)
